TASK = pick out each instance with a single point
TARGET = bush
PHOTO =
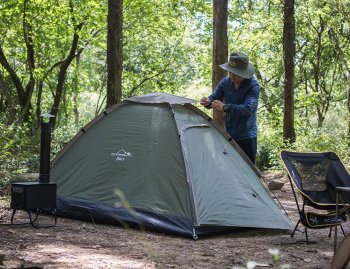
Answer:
(270, 144)
(19, 151)
(323, 139)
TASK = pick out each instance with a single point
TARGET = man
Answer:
(237, 95)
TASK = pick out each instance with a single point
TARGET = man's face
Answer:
(236, 79)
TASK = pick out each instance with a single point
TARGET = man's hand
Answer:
(217, 105)
(204, 101)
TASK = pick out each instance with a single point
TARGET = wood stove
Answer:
(38, 196)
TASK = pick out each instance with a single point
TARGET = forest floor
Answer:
(77, 244)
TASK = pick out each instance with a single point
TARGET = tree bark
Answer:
(76, 91)
(27, 35)
(114, 51)
(10, 106)
(289, 54)
(24, 94)
(348, 102)
(220, 48)
(62, 74)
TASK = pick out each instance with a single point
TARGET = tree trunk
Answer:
(289, 54)
(27, 35)
(62, 74)
(114, 51)
(76, 91)
(24, 95)
(348, 102)
(10, 104)
(39, 99)
(220, 48)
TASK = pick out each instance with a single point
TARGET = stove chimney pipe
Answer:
(36, 195)
(45, 148)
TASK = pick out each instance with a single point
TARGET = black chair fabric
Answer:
(315, 176)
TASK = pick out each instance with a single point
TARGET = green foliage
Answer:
(325, 139)
(60, 137)
(161, 47)
(331, 137)
(18, 152)
(270, 144)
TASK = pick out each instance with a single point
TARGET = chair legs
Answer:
(330, 232)
(341, 227)
(305, 231)
(306, 235)
(295, 228)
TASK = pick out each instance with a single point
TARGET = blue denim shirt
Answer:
(241, 104)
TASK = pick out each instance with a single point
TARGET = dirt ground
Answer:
(76, 244)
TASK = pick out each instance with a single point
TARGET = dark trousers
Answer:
(249, 146)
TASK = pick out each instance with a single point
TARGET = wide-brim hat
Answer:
(239, 65)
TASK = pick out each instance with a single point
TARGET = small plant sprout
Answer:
(275, 253)
(276, 260)
(251, 264)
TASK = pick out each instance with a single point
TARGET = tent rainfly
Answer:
(157, 162)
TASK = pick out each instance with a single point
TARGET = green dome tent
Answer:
(158, 162)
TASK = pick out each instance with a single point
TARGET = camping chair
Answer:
(314, 176)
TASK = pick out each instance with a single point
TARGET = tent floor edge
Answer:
(105, 214)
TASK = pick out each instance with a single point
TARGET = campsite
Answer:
(77, 244)
(174, 134)
(224, 217)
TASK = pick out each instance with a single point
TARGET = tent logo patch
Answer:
(121, 155)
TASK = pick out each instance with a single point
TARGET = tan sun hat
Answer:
(239, 64)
